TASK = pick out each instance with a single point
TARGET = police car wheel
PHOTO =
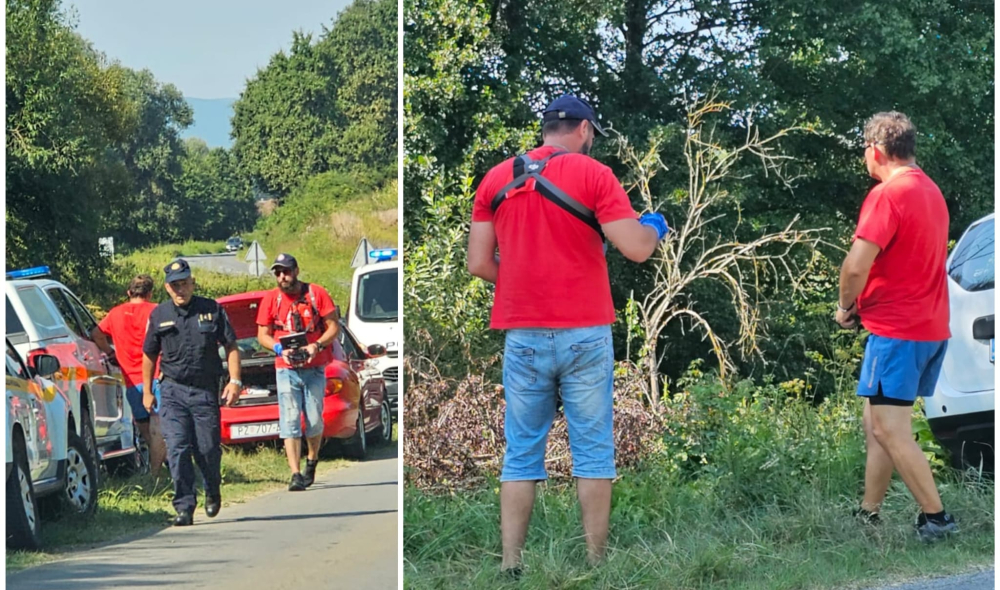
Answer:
(23, 521)
(80, 494)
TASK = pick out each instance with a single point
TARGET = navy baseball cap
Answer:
(177, 270)
(568, 106)
(284, 261)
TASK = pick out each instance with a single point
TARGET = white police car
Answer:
(373, 313)
(960, 413)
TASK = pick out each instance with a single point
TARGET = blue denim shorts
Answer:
(134, 397)
(300, 391)
(905, 369)
(579, 362)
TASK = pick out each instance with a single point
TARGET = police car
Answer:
(44, 456)
(373, 313)
(45, 317)
(960, 413)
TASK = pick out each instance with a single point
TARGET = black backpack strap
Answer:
(525, 168)
(521, 176)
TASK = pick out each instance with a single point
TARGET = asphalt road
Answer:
(341, 532)
(978, 581)
(230, 263)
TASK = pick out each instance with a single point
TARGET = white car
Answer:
(45, 317)
(44, 455)
(373, 314)
(960, 413)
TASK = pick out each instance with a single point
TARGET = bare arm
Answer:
(854, 272)
(264, 337)
(331, 330)
(101, 340)
(482, 251)
(233, 359)
(635, 241)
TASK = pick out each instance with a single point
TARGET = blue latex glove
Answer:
(657, 222)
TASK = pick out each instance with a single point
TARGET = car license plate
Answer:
(254, 430)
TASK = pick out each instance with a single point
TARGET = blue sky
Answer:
(207, 48)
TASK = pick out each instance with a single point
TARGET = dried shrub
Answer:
(454, 436)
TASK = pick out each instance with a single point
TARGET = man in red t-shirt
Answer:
(297, 307)
(894, 281)
(126, 326)
(553, 297)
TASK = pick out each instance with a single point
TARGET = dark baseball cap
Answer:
(568, 106)
(177, 270)
(284, 261)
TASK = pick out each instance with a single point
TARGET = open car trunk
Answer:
(257, 363)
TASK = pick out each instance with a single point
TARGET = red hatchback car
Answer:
(356, 411)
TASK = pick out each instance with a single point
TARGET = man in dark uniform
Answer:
(186, 333)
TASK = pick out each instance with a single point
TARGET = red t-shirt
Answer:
(269, 312)
(126, 324)
(553, 272)
(907, 291)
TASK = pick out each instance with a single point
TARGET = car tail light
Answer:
(334, 385)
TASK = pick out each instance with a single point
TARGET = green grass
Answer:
(142, 504)
(323, 244)
(669, 534)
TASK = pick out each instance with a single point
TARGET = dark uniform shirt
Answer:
(189, 339)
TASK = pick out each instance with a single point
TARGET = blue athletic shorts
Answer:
(134, 397)
(579, 362)
(904, 368)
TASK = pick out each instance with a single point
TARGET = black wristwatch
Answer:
(319, 346)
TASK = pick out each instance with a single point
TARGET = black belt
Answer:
(196, 383)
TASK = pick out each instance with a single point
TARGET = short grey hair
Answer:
(895, 132)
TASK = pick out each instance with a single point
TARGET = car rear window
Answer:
(972, 265)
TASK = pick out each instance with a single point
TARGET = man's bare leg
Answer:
(293, 451)
(878, 467)
(892, 428)
(517, 498)
(313, 445)
(595, 506)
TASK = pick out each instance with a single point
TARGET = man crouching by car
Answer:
(297, 308)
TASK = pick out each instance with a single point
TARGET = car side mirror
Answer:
(375, 350)
(983, 328)
(45, 365)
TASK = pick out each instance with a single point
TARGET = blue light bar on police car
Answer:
(29, 273)
(384, 254)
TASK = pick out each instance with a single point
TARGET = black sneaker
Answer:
(297, 484)
(512, 573)
(931, 530)
(867, 516)
(310, 473)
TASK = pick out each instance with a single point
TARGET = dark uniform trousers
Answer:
(190, 419)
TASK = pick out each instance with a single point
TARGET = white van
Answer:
(373, 314)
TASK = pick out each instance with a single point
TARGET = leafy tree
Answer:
(219, 202)
(154, 210)
(325, 105)
(64, 114)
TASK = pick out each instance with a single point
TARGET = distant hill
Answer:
(211, 121)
